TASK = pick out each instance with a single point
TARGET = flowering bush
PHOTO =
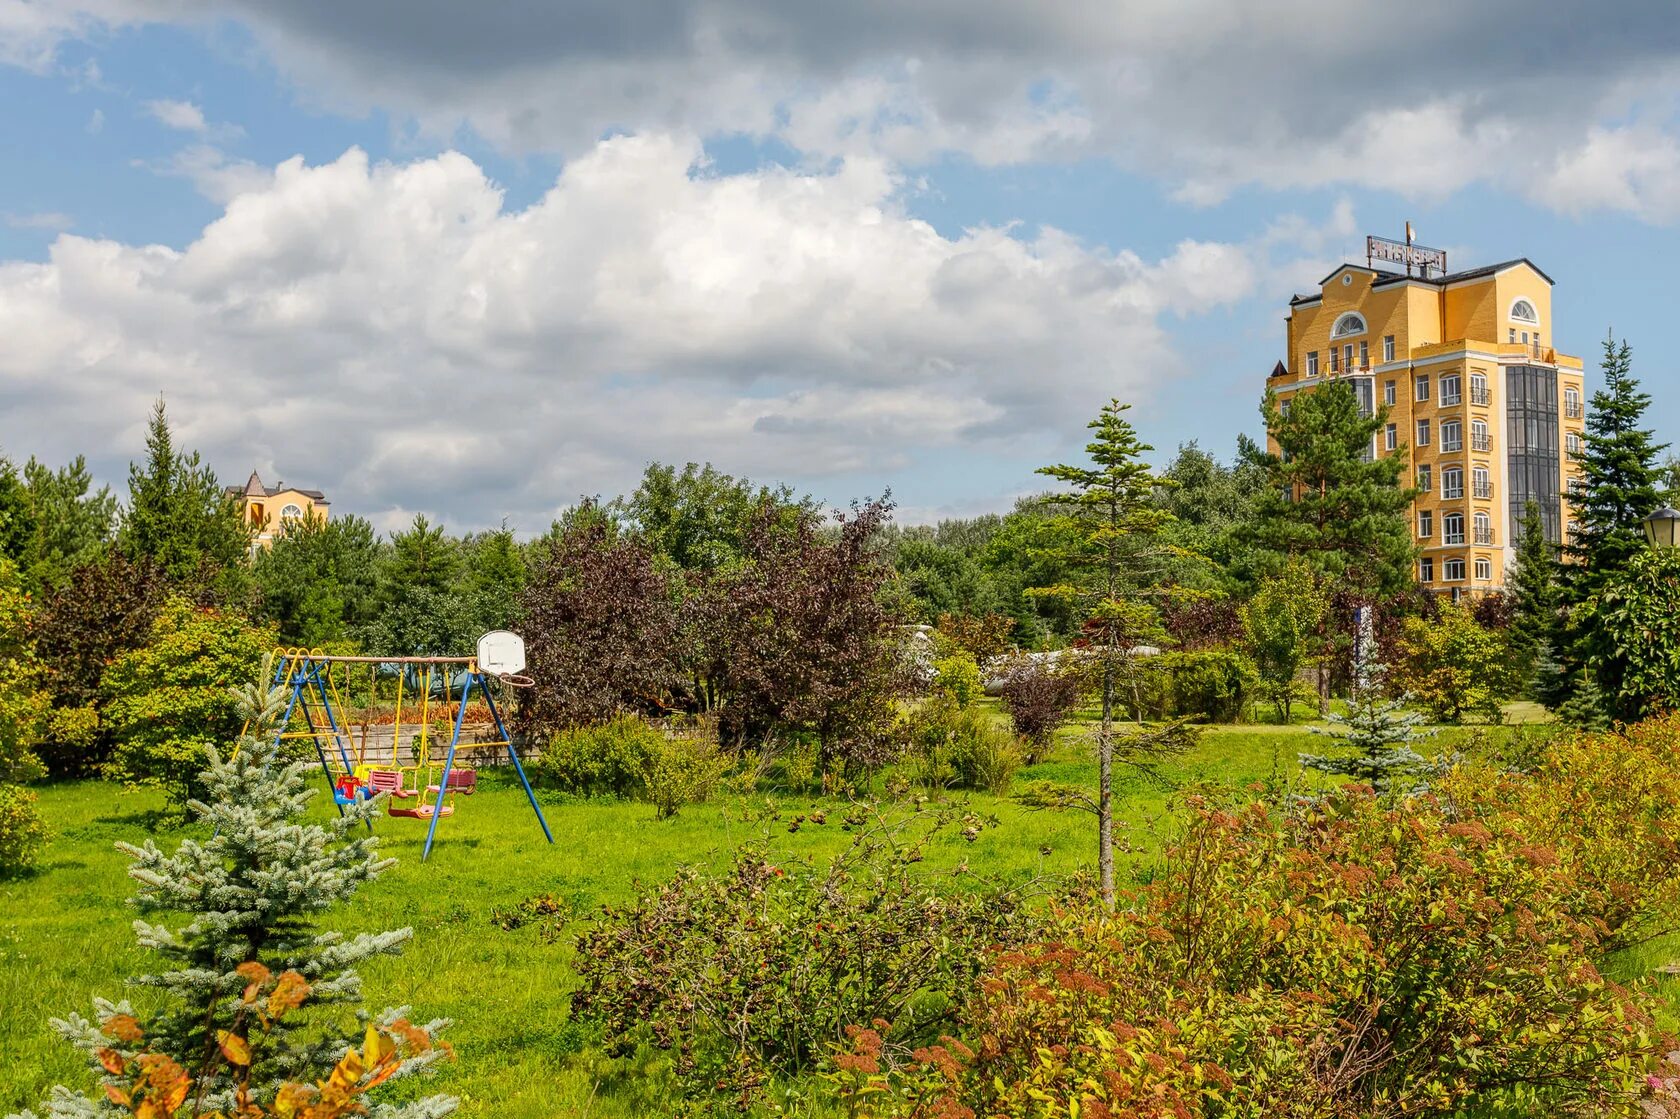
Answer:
(1349, 961)
(1607, 807)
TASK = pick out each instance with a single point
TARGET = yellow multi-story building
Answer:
(1488, 413)
(269, 508)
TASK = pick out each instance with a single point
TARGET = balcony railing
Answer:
(1478, 394)
(1573, 411)
(1482, 489)
(1484, 536)
(1479, 442)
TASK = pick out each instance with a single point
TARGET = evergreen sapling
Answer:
(253, 891)
(1374, 740)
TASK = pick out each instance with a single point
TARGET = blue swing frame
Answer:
(306, 674)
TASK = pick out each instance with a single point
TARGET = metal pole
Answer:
(320, 751)
(449, 761)
(496, 713)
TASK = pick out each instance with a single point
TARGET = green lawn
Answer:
(65, 933)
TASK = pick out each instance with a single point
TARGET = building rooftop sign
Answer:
(1404, 252)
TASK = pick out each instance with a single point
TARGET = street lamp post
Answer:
(1662, 528)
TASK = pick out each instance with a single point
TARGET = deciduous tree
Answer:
(1632, 635)
(601, 630)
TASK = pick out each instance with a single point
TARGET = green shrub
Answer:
(952, 745)
(1455, 665)
(609, 759)
(1340, 961)
(754, 972)
(1040, 696)
(170, 700)
(22, 831)
(1214, 686)
(956, 677)
(685, 769)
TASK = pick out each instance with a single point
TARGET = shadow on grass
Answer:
(151, 819)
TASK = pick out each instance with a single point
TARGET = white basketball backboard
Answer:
(501, 653)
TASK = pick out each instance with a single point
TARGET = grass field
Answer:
(65, 935)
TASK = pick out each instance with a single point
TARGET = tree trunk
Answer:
(1105, 786)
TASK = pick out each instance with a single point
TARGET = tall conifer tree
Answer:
(1332, 501)
(1621, 482)
(1117, 552)
(1536, 598)
(178, 517)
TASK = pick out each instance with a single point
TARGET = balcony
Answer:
(1479, 394)
(1572, 411)
(1479, 442)
(1484, 536)
(1482, 490)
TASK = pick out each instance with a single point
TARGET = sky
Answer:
(480, 260)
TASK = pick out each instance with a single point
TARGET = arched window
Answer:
(291, 513)
(1348, 324)
(1484, 528)
(1523, 311)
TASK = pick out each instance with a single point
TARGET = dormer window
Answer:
(1523, 311)
(1348, 324)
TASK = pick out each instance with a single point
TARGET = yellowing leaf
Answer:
(236, 1049)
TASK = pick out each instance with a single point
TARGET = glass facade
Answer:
(1531, 425)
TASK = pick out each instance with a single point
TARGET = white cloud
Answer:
(46, 220)
(1635, 169)
(1206, 95)
(215, 174)
(392, 334)
(181, 115)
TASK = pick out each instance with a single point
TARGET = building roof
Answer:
(254, 487)
(1385, 277)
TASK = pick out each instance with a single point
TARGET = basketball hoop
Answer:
(515, 680)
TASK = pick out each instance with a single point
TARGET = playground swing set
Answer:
(353, 753)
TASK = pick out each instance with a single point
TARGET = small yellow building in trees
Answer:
(269, 508)
(1483, 405)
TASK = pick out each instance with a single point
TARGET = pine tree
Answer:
(178, 517)
(1536, 598)
(1330, 500)
(1375, 737)
(254, 891)
(1117, 551)
(73, 521)
(1621, 483)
